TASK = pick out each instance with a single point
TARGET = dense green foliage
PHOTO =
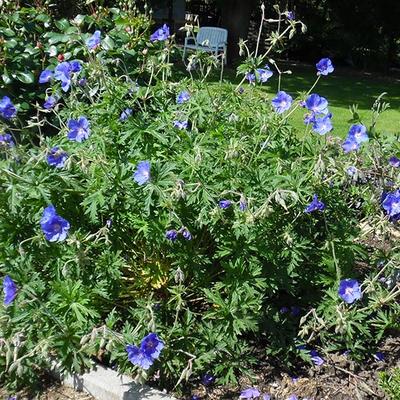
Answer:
(31, 41)
(390, 382)
(215, 300)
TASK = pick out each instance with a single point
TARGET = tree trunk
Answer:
(391, 53)
(235, 17)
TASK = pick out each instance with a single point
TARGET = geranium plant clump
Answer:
(170, 227)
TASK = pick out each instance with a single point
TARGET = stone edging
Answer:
(106, 384)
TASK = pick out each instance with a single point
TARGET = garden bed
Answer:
(339, 378)
(181, 232)
(53, 392)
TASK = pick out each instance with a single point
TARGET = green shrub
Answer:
(31, 39)
(213, 251)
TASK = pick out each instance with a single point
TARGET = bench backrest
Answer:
(212, 36)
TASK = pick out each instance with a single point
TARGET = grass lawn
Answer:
(341, 90)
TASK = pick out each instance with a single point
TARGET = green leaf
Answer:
(131, 52)
(30, 50)
(79, 19)
(72, 30)
(56, 38)
(25, 77)
(107, 43)
(11, 43)
(42, 18)
(121, 21)
(62, 24)
(7, 32)
(6, 78)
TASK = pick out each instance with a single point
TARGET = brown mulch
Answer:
(51, 393)
(339, 378)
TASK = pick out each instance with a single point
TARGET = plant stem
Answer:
(260, 29)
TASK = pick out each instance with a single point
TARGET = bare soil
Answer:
(339, 378)
(55, 392)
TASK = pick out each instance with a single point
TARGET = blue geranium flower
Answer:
(82, 82)
(7, 108)
(290, 15)
(79, 129)
(152, 345)
(309, 118)
(292, 397)
(349, 290)
(54, 227)
(322, 125)
(185, 233)
(263, 74)
(325, 66)
(50, 102)
(356, 136)
(183, 97)
(391, 204)
(225, 204)
(282, 102)
(125, 114)
(242, 204)
(10, 290)
(137, 357)
(358, 133)
(317, 104)
(207, 379)
(250, 393)
(250, 77)
(394, 162)
(295, 311)
(171, 235)
(149, 350)
(142, 173)
(46, 76)
(315, 205)
(351, 171)
(180, 124)
(6, 140)
(63, 73)
(350, 144)
(160, 34)
(379, 356)
(94, 41)
(56, 158)
(315, 358)
(76, 66)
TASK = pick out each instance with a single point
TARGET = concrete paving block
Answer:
(105, 384)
